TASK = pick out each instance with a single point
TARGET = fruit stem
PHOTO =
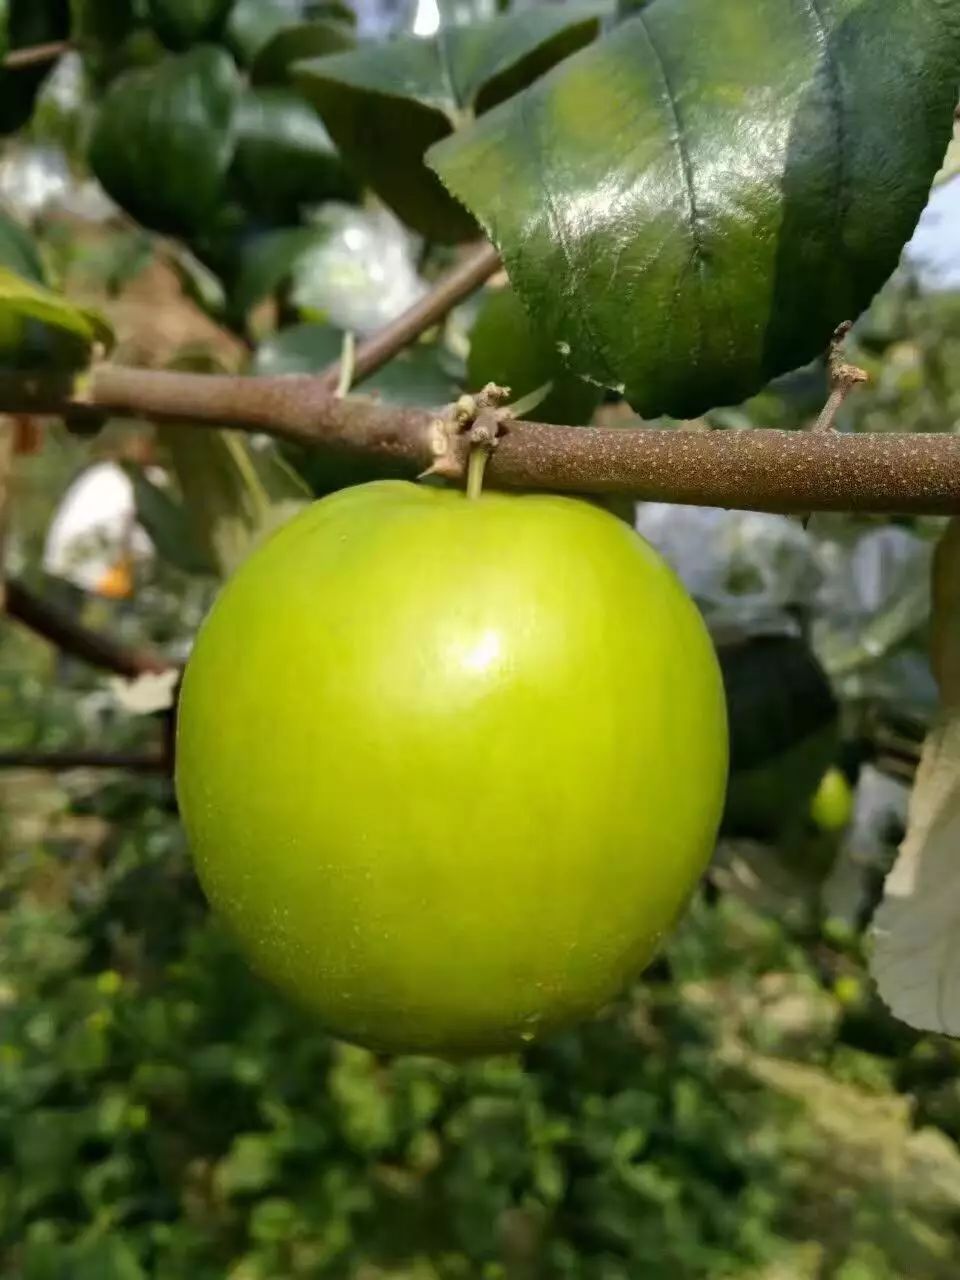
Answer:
(476, 466)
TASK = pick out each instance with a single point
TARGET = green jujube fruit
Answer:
(450, 767)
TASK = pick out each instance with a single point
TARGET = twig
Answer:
(55, 761)
(843, 378)
(54, 624)
(36, 54)
(760, 470)
(449, 290)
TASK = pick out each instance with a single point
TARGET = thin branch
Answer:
(36, 54)
(56, 625)
(760, 470)
(449, 290)
(55, 761)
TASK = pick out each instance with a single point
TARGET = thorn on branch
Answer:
(472, 422)
(843, 378)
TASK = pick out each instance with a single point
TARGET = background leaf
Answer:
(18, 251)
(253, 26)
(419, 375)
(916, 959)
(164, 139)
(181, 23)
(386, 104)
(267, 261)
(234, 492)
(692, 205)
(284, 158)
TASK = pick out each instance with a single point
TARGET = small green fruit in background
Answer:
(451, 767)
(505, 349)
(832, 805)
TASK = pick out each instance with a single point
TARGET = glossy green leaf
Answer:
(4, 28)
(27, 23)
(182, 23)
(284, 158)
(506, 348)
(164, 139)
(41, 329)
(694, 203)
(386, 104)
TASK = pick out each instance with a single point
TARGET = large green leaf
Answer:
(284, 158)
(691, 206)
(181, 23)
(164, 139)
(386, 104)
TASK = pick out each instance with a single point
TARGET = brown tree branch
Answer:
(449, 290)
(36, 54)
(54, 624)
(759, 470)
(135, 762)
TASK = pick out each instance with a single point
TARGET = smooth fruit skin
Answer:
(451, 767)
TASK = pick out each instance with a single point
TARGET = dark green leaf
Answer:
(4, 28)
(267, 263)
(284, 158)
(98, 22)
(164, 139)
(386, 104)
(506, 349)
(692, 205)
(253, 24)
(274, 63)
(181, 23)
